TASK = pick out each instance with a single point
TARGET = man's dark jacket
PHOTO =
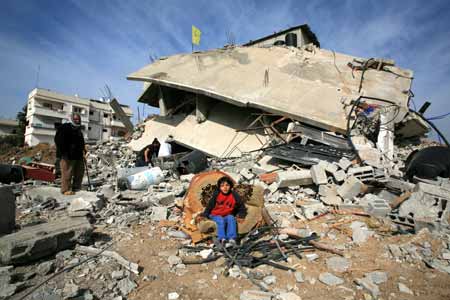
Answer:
(69, 142)
(239, 208)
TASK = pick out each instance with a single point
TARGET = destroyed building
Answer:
(48, 109)
(244, 97)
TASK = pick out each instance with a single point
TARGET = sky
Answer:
(79, 46)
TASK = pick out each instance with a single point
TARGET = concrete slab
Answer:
(217, 136)
(35, 242)
(45, 192)
(294, 178)
(322, 79)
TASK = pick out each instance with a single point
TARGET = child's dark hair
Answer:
(225, 179)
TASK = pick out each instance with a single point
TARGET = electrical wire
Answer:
(439, 117)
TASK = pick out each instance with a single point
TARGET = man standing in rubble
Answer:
(70, 149)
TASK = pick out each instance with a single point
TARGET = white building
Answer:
(48, 109)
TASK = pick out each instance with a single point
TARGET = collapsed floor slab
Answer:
(216, 136)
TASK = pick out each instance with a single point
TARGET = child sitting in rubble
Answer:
(222, 208)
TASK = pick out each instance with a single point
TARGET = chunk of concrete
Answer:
(159, 213)
(313, 209)
(35, 242)
(166, 198)
(45, 192)
(288, 296)
(294, 178)
(299, 277)
(377, 277)
(126, 285)
(369, 286)
(344, 163)
(8, 210)
(328, 195)
(256, 295)
(339, 176)
(318, 174)
(402, 288)
(338, 264)
(330, 279)
(360, 232)
(378, 207)
(351, 188)
(79, 204)
(364, 174)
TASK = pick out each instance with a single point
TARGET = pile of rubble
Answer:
(74, 231)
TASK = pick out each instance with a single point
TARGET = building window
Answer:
(105, 130)
(78, 110)
(47, 105)
(89, 128)
(105, 115)
(91, 113)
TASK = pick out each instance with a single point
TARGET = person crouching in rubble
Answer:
(224, 205)
(70, 149)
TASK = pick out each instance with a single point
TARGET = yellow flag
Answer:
(196, 33)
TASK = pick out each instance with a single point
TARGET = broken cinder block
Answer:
(318, 174)
(292, 178)
(351, 188)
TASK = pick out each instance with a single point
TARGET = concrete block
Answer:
(166, 198)
(339, 176)
(379, 208)
(318, 174)
(159, 213)
(35, 242)
(364, 174)
(331, 168)
(246, 174)
(351, 188)
(344, 163)
(187, 177)
(338, 264)
(293, 178)
(328, 195)
(313, 209)
(8, 210)
(80, 204)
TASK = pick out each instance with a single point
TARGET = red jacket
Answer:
(223, 205)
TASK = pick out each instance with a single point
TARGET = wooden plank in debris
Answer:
(121, 114)
(400, 199)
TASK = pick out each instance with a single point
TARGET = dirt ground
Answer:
(15, 153)
(148, 250)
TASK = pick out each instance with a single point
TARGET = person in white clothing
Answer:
(166, 148)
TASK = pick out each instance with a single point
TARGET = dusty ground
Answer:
(198, 282)
(15, 153)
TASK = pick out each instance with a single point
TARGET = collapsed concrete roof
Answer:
(311, 85)
(217, 136)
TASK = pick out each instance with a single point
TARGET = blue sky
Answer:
(82, 45)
